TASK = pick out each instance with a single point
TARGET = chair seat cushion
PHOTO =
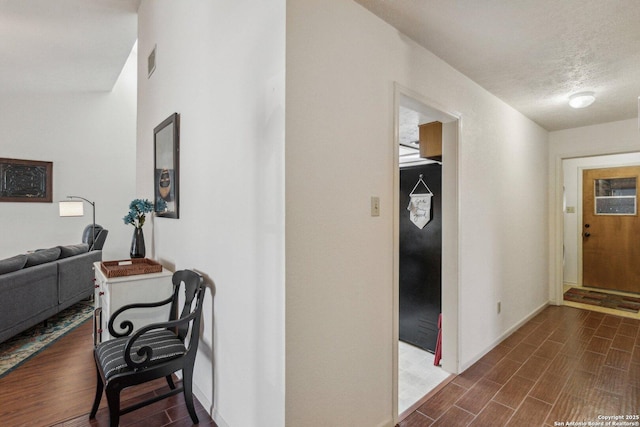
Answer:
(165, 344)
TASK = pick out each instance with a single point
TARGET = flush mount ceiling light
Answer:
(582, 99)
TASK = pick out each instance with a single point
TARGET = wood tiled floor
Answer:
(56, 388)
(565, 365)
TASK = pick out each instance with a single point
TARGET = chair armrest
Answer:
(146, 352)
(127, 325)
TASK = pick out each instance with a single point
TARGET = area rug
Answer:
(601, 299)
(17, 350)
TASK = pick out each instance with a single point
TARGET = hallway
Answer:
(564, 365)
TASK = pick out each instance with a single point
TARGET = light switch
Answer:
(571, 209)
(375, 206)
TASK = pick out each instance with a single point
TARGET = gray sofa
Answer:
(48, 281)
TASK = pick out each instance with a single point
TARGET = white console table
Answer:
(114, 292)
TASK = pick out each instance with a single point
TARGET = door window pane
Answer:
(615, 196)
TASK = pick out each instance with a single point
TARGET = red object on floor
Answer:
(438, 355)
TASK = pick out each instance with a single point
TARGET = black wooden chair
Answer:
(153, 351)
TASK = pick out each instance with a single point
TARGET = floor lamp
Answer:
(74, 208)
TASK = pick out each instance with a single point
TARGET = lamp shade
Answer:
(71, 208)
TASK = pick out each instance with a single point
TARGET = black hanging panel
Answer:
(420, 261)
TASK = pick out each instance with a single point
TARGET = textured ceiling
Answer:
(64, 45)
(533, 54)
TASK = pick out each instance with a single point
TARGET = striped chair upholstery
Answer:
(165, 345)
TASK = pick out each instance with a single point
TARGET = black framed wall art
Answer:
(26, 181)
(166, 176)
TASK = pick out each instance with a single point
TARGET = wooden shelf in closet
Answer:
(430, 135)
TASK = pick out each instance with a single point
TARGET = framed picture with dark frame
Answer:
(26, 181)
(166, 174)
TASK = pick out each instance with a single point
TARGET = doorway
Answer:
(575, 262)
(411, 110)
(420, 285)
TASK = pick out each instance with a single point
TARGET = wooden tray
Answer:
(130, 267)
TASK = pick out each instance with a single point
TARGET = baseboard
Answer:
(505, 335)
(215, 415)
(388, 423)
(206, 404)
(218, 419)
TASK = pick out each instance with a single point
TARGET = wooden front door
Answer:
(611, 229)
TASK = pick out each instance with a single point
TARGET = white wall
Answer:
(220, 65)
(222, 69)
(608, 138)
(572, 172)
(90, 138)
(342, 63)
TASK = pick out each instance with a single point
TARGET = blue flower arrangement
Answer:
(138, 208)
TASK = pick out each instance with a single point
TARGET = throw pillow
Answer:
(42, 256)
(72, 250)
(14, 263)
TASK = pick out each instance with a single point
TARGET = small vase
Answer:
(137, 244)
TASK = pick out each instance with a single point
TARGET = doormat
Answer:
(17, 350)
(601, 299)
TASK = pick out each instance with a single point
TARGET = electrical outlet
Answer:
(499, 307)
(375, 206)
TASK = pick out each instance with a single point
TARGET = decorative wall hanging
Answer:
(166, 138)
(25, 181)
(420, 205)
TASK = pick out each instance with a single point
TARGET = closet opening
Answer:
(426, 141)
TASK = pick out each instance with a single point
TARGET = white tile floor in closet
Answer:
(417, 375)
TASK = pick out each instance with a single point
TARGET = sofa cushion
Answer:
(14, 263)
(72, 250)
(42, 256)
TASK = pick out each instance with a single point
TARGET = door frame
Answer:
(556, 217)
(450, 234)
